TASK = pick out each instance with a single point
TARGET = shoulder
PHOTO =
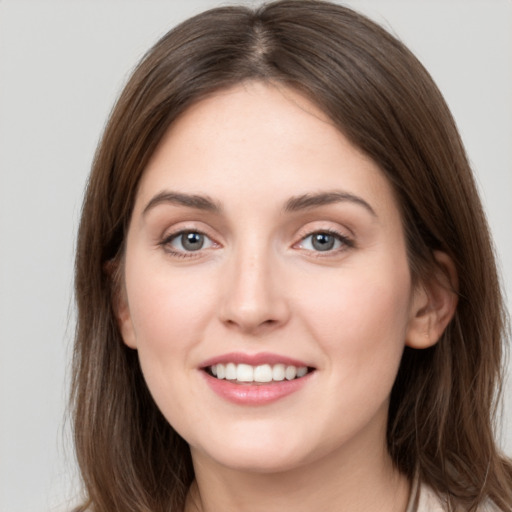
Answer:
(429, 501)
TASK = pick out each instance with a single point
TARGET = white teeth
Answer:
(290, 373)
(278, 372)
(231, 371)
(261, 373)
(221, 371)
(244, 373)
(302, 371)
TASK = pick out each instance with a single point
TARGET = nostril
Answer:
(251, 323)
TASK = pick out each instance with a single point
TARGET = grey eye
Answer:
(323, 241)
(191, 241)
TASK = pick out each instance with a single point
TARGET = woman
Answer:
(287, 296)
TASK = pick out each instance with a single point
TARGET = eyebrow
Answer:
(294, 204)
(307, 201)
(190, 200)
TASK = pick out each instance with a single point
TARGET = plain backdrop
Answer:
(61, 66)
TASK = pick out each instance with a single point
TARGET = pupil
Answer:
(192, 241)
(323, 242)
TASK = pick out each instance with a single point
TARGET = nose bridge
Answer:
(253, 295)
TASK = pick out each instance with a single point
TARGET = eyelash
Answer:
(345, 241)
(166, 243)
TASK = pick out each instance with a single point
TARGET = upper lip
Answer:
(253, 359)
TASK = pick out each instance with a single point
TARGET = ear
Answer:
(433, 304)
(124, 320)
(120, 303)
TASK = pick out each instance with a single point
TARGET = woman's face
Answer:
(266, 249)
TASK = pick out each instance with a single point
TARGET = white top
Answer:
(424, 499)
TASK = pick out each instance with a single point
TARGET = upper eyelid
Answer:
(331, 231)
(344, 233)
(184, 227)
(174, 234)
(343, 238)
(311, 228)
(324, 222)
(167, 240)
(341, 232)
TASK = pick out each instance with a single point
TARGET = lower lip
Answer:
(255, 394)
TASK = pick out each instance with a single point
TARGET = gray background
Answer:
(61, 66)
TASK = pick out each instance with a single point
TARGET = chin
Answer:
(262, 452)
(258, 461)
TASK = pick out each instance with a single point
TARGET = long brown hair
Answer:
(442, 408)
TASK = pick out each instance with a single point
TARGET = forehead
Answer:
(260, 140)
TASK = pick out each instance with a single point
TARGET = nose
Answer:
(254, 299)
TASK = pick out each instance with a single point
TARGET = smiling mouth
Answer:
(260, 374)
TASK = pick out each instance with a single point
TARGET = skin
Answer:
(260, 285)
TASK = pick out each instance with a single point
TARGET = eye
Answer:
(324, 241)
(187, 241)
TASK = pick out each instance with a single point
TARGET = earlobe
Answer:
(124, 321)
(433, 304)
(120, 304)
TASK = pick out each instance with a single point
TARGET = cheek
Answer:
(360, 325)
(169, 310)
(361, 317)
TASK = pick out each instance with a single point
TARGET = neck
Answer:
(334, 483)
